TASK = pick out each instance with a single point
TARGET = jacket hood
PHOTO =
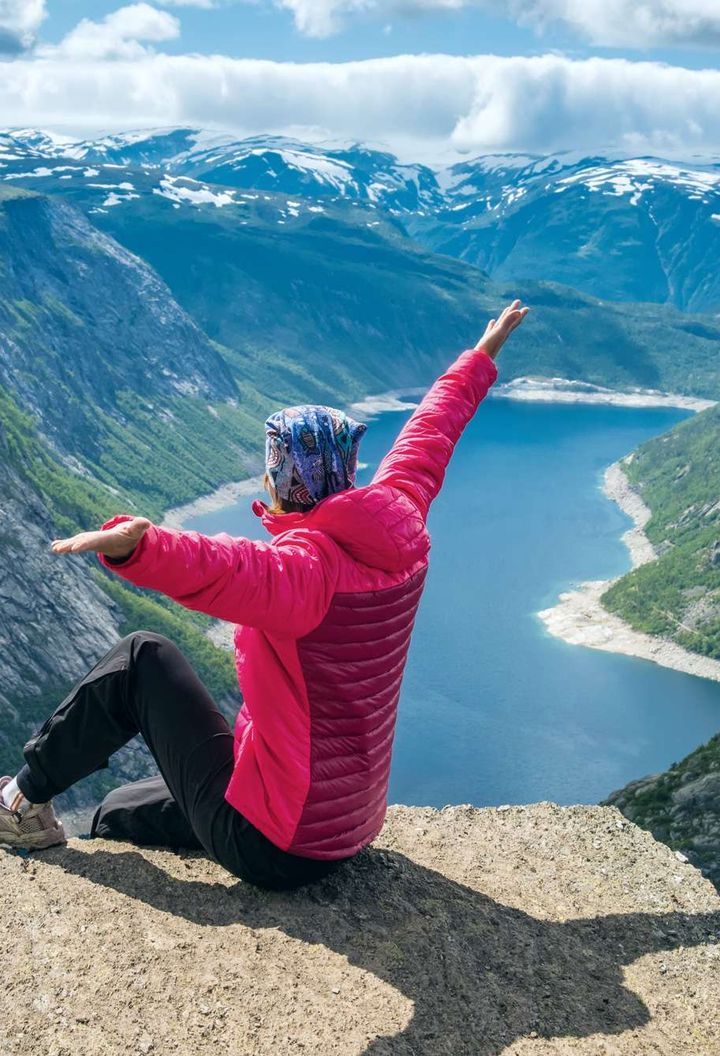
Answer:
(377, 525)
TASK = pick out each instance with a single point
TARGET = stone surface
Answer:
(525, 932)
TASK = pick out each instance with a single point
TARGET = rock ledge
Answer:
(523, 930)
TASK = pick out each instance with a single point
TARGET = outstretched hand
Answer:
(116, 542)
(498, 330)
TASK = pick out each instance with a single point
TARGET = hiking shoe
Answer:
(37, 828)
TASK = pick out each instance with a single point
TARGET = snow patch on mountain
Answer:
(176, 189)
(640, 175)
(333, 173)
(41, 171)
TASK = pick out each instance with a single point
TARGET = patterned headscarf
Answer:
(311, 452)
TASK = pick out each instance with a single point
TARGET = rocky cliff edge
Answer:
(527, 931)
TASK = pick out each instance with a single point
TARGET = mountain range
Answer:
(618, 227)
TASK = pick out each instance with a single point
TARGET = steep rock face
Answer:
(681, 807)
(84, 321)
(110, 396)
(462, 932)
(125, 386)
(55, 620)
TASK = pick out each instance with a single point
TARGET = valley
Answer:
(163, 291)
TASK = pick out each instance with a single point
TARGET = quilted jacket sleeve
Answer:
(418, 459)
(284, 587)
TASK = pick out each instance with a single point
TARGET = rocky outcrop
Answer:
(681, 807)
(462, 932)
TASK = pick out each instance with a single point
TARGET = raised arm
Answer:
(285, 588)
(418, 459)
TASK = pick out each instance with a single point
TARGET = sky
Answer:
(426, 78)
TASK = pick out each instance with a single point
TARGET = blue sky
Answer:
(429, 79)
(261, 30)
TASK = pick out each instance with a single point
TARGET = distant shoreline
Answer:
(526, 389)
(580, 618)
(562, 390)
(545, 390)
(224, 496)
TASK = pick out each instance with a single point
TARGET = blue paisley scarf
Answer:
(311, 452)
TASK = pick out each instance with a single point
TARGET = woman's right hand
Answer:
(116, 543)
(498, 330)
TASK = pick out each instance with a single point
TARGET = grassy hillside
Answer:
(678, 596)
(346, 303)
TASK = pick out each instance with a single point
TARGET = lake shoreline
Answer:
(563, 390)
(546, 390)
(526, 389)
(224, 496)
(580, 618)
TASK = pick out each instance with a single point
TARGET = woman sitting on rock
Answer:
(324, 610)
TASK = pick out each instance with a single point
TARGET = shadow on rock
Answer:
(480, 974)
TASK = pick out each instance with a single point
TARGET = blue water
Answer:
(495, 710)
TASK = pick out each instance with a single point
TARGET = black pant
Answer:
(145, 685)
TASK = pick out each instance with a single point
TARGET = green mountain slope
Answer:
(128, 389)
(641, 229)
(331, 298)
(345, 302)
(678, 596)
(681, 807)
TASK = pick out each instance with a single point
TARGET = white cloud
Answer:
(187, 3)
(321, 18)
(424, 105)
(118, 35)
(19, 22)
(637, 23)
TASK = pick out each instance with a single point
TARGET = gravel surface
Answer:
(521, 930)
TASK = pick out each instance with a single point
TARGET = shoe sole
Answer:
(36, 841)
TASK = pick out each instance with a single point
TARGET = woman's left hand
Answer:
(117, 542)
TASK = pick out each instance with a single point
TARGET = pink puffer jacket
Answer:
(325, 612)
